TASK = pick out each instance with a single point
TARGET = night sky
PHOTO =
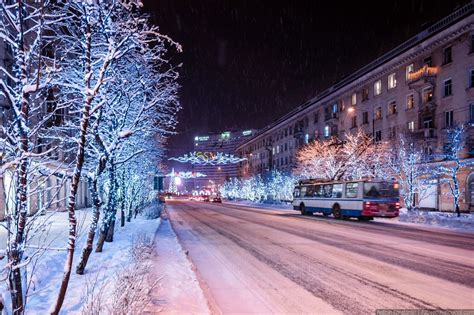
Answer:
(246, 63)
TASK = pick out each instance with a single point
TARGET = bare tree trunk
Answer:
(75, 179)
(15, 252)
(87, 250)
(112, 206)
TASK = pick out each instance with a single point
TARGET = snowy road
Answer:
(271, 261)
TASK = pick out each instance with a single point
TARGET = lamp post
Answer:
(353, 109)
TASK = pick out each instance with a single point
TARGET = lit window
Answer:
(447, 55)
(411, 126)
(392, 81)
(409, 68)
(449, 118)
(378, 113)
(354, 99)
(306, 138)
(448, 87)
(365, 94)
(378, 87)
(334, 108)
(428, 94)
(392, 108)
(326, 131)
(410, 101)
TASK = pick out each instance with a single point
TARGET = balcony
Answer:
(422, 74)
(427, 133)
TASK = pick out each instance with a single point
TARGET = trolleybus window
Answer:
(327, 191)
(351, 190)
(381, 190)
(337, 191)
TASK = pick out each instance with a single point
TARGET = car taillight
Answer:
(397, 205)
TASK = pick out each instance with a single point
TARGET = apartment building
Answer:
(211, 144)
(423, 86)
(44, 189)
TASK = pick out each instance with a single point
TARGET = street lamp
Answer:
(353, 109)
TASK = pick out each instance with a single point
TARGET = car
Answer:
(205, 198)
(217, 199)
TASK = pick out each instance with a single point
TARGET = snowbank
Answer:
(102, 267)
(178, 291)
(441, 219)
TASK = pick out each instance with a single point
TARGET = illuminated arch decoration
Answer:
(186, 175)
(208, 158)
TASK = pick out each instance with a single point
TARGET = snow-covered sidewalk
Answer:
(178, 291)
(102, 269)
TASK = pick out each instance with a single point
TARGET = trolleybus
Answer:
(362, 199)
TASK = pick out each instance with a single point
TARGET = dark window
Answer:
(472, 44)
(365, 94)
(365, 117)
(447, 55)
(428, 122)
(378, 136)
(327, 113)
(471, 78)
(354, 122)
(428, 61)
(448, 118)
(392, 133)
(448, 87)
(316, 117)
(471, 112)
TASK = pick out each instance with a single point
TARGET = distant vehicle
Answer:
(217, 199)
(362, 199)
(205, 198)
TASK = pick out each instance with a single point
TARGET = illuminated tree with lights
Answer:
(453, 162)
(355, 157)
(411, 170)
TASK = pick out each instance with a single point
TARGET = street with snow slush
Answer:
(251, 260)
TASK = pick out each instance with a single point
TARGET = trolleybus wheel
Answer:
(336, 212)
(303, 209)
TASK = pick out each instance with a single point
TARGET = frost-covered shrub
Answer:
(153, 211)
(130, 292)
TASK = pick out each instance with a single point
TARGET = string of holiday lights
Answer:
(208, 158)
(186, 175)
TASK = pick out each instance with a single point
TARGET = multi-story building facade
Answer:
(211, 144)
(423, 86)
(45, 191)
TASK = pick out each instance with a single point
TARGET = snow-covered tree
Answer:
(24, 82)
(453, 162)
(411, 170)
(355, 157)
